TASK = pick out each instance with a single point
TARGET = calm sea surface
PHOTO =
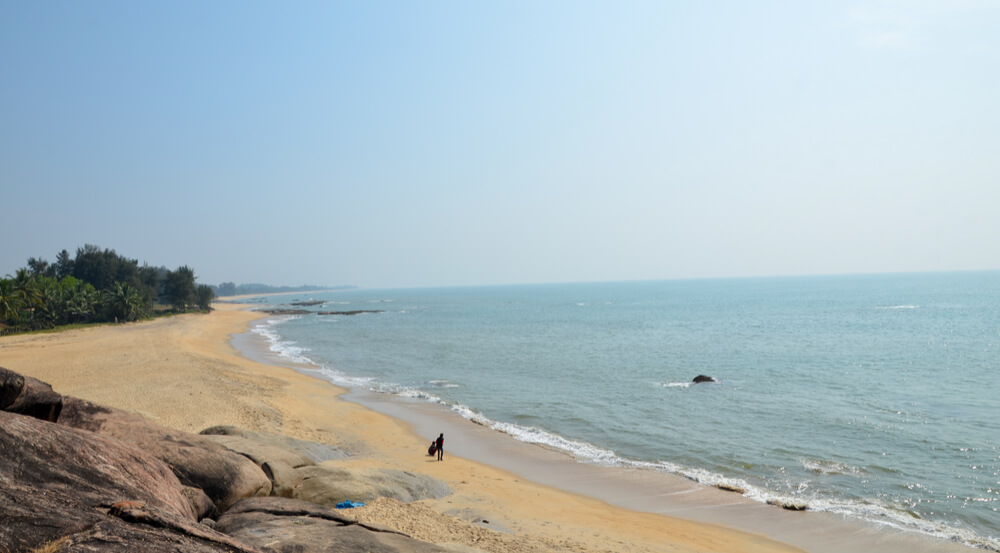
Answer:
(875, 396)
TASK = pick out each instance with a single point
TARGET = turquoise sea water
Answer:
(873, 396)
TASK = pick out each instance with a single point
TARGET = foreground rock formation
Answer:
(75, 476)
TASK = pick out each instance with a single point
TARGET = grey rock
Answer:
(223, 475)
(284, 478)
(59, 484)
(28, 396)
(291, 526)
(329, 485)
(312, 452)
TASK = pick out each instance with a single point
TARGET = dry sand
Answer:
(184, 373)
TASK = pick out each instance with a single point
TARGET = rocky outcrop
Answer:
(292, 526)
(100, 479)
(28, 396)
(703, 378)
(263, 448)
(60, 483)
(291, 466)
(284, 311)
(225, 476)
(330, 485)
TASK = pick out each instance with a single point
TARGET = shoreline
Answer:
(634, 489)
(187, 373)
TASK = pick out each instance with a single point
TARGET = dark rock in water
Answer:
(731, 488)
(225, 476)
(307, 303)
(355, 312)
(788, 505)
(702, 378)
(284, 311)
(27, 396)
(288, 525)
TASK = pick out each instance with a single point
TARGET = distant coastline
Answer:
(230, 289)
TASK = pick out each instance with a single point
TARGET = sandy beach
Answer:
(184, 372)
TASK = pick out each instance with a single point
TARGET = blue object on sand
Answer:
(350, 504)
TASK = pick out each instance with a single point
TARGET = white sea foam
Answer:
(418, 394)
(582, 451)
(285, 349)
(675, 384)
(831, 467)
(341, 379)
(875, 511)
(893, 307)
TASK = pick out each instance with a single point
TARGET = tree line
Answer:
(95, 286)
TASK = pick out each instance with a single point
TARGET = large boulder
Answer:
(291, 526)
(28, 396)
(277, 456)
(329, 485)
(59, 485)
(225, 476)
(269, 447)
(285, 479)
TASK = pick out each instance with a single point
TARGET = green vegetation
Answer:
(95, 286)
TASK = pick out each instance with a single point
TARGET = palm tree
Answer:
(10, 302)
(79, 300)
(26, 288)
(48, 311)
(27, 296)
(124, 303)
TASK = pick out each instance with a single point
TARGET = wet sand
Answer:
(508, 496)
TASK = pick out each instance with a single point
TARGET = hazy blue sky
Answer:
(388, 144)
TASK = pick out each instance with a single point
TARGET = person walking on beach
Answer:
(440, 447)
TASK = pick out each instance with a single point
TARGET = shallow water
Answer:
(871, 396)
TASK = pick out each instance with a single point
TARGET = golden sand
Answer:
(183, 372)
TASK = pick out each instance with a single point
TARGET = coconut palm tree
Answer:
(48, 311)
(124, 303)
(10, 303)
(26, 288)
(79, 300)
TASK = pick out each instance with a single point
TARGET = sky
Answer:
(389, 144)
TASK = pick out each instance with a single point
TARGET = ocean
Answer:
(876, 397)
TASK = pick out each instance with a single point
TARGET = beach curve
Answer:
(184, 373)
